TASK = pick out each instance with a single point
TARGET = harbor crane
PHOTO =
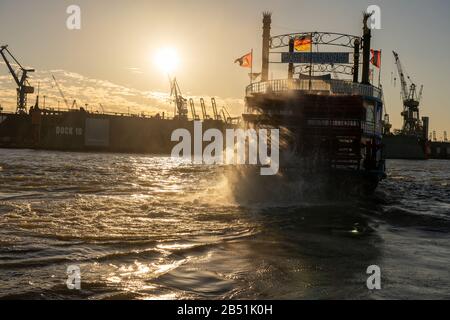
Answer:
(217, 116)
(195, 116)
(61, 92)
(21, 79)
(411, 100)
(205, 115)
(228, 118)
(181, 110)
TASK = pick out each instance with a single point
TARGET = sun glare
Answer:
(166, 59)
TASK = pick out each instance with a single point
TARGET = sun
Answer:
(167, 60)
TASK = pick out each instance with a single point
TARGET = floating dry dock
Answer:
(77, 129)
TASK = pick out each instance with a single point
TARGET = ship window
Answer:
(379, 113)
(370, 116)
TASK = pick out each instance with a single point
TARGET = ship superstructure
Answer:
(330, 119)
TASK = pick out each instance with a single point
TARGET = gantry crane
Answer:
(216, 114)
(21, 79)
(411, 101)
(204, 113)
(194, 113)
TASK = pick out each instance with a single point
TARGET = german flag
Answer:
(303, 43)
(245, 61)
(376, 58)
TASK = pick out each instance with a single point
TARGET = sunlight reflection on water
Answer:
(145, 227)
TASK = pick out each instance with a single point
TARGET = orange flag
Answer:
(303, 43)
(245, 61)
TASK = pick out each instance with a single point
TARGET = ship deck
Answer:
(314, 86)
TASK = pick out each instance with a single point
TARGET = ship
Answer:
(77, 129)
(329, 127)
(411, 142)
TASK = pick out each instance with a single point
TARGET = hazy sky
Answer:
(118, 39)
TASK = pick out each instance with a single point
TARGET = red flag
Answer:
(376, 58)
(245, 61)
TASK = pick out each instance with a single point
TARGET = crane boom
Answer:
(419, 97)
(204, 113)
(214, 107)
(402, 76)
(11, 70)
(228, 118)
(61, 92)
(194, 113)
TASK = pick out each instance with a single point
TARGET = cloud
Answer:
(135, 70)
(93, 92)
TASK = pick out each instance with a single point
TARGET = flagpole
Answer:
(310, 61)
(251, 70)
(379, 71)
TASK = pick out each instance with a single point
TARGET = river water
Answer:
(142, 227)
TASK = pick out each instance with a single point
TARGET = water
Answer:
(142, 227)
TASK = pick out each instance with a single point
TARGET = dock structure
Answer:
(79, 129)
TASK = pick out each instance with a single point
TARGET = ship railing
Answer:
(348, 123)
(372, 128)
(334, 86)
(367, 127)
(60, 111)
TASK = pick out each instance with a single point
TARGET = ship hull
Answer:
(334, 136)
(404, 147)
